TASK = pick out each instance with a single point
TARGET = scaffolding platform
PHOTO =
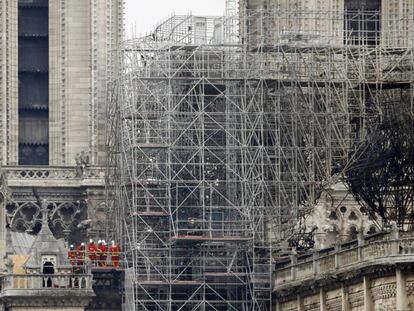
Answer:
(150, 214)
(200, 238)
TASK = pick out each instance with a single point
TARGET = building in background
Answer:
(332, 21)
(56, 60)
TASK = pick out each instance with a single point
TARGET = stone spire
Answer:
(45, 230)
(45, 213)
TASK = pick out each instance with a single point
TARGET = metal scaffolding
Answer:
(219, 144)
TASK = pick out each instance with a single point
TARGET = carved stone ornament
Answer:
(64, 217)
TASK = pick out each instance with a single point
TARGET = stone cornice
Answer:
(47, 298)
(38, 290)
(346, 276)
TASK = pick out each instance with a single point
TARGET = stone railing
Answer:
(26, 282)
(24, 173)
(342, 258)
(38, 174)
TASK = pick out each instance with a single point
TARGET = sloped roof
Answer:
(19, 243)
(46, 244)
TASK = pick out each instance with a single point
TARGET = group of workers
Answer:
(96, 254)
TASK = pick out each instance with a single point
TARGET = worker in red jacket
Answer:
(80, 254)
(115, 251)
(72, 255)
(103, 253)
(92, 251)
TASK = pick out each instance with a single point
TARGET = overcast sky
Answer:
(142, 15)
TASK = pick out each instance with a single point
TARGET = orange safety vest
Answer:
(72, 256)
(115, 251)
(80, 254)
(92, 251)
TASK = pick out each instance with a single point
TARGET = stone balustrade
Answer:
(54, 176)
(24, 282)
(40, 173)
(342, 258)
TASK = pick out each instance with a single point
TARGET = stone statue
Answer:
(78, 166)
(82, 162)
(45, 213)
(394, 230)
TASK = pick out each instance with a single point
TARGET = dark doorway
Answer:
(48, 268)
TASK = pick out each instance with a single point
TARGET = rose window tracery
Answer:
(65, 217)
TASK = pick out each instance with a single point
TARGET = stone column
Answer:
(345, 299)
(77, 106)
(278, 307)
(293, 261)
(301, 306)
(3, 237)
(361, 243)
(320, 239)
(9, 83)
(401, 295)
(322, 300)
(368, 304)
(315, 257)
(56, 101)
(337, 249)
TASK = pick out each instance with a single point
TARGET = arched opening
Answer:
(353, 233)
(352, 216)
(48, 268)
(333, 216)
(372, 230)
(332, 236)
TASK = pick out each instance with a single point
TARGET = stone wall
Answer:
(372, 274)
(84, 36)
(325, 21)
(77, 202)
(356, 297)
(337, 217)
(382, 291)
(8, 83)
(333, 300)
(83, 41)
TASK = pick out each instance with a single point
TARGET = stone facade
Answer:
(8, 82)
(325, 20)
(337, 217)
(374, 273)
(44, 279)
(83, 38)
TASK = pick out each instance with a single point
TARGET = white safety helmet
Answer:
(103, 242)
(90, 241)
(99, 242)
(83, 244)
